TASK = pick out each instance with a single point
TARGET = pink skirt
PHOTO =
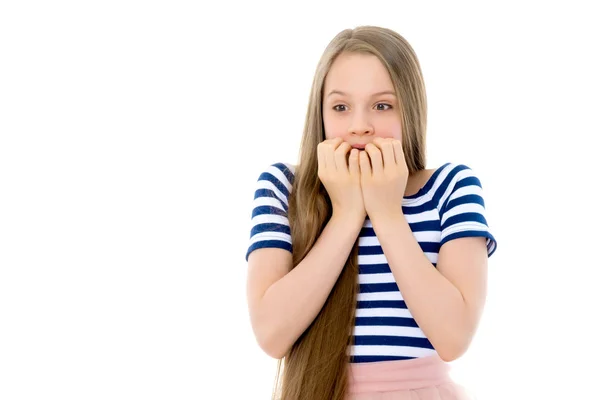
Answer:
(424, 378)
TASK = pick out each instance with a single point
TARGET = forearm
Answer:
(436, 304)
(291, 304)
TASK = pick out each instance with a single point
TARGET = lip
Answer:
(359, 146)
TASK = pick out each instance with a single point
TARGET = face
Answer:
(359, 101)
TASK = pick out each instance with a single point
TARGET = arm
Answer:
(446, 302)
(283, 304)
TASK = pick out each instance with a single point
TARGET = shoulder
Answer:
(452, 167)
(275, 180)
(452, 173)
(278, 172)
(457, 180)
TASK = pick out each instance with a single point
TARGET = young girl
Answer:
(367, 272)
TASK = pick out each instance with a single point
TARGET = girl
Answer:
(367, 272)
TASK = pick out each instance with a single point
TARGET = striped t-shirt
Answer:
(449, 206)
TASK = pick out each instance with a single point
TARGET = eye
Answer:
(336, 107)
(381, 106)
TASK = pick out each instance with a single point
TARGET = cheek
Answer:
(332, 129)
(391, 130)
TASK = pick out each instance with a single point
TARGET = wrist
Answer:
(348, 218)
(387, 217)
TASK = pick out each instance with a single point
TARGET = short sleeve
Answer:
(269, 225)
(462, 211)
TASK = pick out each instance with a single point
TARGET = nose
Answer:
(360, 125)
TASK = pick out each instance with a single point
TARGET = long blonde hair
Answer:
(315, 368)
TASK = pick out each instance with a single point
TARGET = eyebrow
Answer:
(373, 95)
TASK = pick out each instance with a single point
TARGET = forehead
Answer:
(356, 73)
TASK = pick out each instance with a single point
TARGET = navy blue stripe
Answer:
(381, 304)
(467, 181)
(265, 193)
(386, 321)
(429, 247)
(369, 250)
(269, 227)
(464, 217)
(378, 287)
(266, 176)
(374, 268)
(467, 199)
(421, 208)
(425, 226)
(463, 234)
(414, 226)
(369, 359)
(286, 171)
(280, 244)
(268, 210)
(366, 232)
(392, 341)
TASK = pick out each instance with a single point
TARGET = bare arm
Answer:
(283, 303)
(446, 302)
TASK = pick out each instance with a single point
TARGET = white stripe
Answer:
(380, 296)
(421, 236)
(372, 259)
(465, 190)
(429, 215)
(269, 219)
(259, 237)
(264, 184)
(491, 246)
(406, 331)
(390, 351)
(291, 167)
(367, 260)
(368, 241)
(277, 173)
(463, 208)
(383, 312)
(432, 257)
(464, 227)
(427, 236)
(376, 278)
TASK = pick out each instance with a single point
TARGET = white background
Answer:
(131, 137)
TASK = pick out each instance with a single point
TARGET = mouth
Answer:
(359, 146)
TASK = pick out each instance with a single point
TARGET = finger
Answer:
(330, 153)
(387, 150)
(321, 156)
(340, 156)
(365, 165)
(375, 156)
(398, 152)
(335, 142)
(353, 167)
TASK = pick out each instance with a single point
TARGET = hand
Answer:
(383, 180)
(341, 178)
